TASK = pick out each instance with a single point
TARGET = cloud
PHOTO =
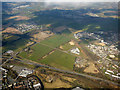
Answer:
(81, 0)
(60, 0)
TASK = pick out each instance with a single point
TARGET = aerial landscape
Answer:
(65, 45)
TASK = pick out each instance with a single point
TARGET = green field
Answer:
(55, 40)
(67, 46)
(65, 61)
(15, 45)
(60, 60)
(38, 51)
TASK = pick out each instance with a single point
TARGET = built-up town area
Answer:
(21, 81)
(107, 52)
(26, 27)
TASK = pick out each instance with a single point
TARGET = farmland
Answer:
(16, 45)
(43, 48)
(65, 61)
(67, 46)
(59, 60)
(38, 51)
(56, 40)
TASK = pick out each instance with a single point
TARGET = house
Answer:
(110, 71)
(112, 56)
(75, 35)
(37, 85)
(2, 69)
(107, 73)
(9, 52)
(25, 72)
(116, 76)
(75, 51)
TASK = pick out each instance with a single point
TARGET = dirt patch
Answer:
(69, 79)
(51, 52)
(60, 29)
(101, 44)
(91, 68)
(19, 18)
(41, 35)
(29, 43)
(57, 84)
(61, 47)
(12, 30)
(78, 31)
(48, 54)
(44, 56)
(71, 43)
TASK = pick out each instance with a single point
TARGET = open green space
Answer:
(60, 60)
(15, 45)
(56, 40)
(10, 38)
(67, 46)
(38, 51)
(66, 31)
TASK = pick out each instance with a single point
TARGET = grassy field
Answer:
(56, 40)
(65, 61)
(59, 60)
(16, 45)
(67, 46)
(38, 51)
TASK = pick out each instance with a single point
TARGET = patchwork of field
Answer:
(60, 60)
(55, 40)
(38, 51)
(45, 52)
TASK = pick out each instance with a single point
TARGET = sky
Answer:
(60, 0)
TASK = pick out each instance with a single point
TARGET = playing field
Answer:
(38, 51)
(55, 40)
(60, 60)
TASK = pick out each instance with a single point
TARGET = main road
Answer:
(69, 72)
